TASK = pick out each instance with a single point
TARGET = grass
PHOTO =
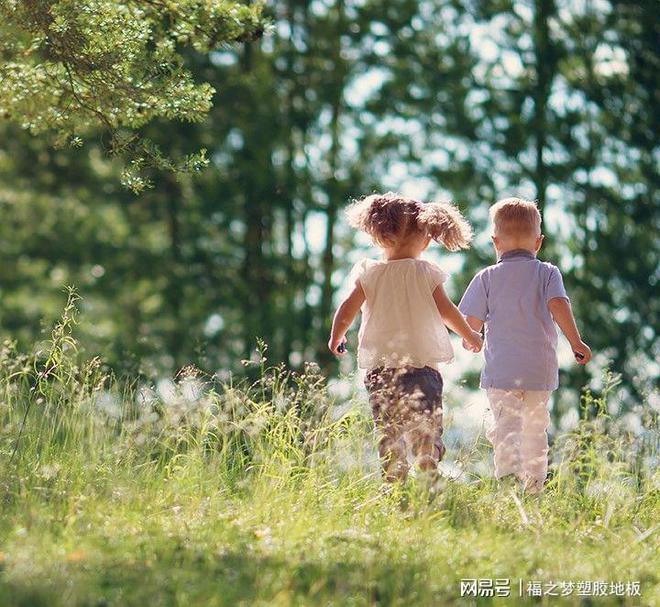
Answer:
(201, 493)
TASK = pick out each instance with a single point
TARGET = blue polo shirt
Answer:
(511, 298)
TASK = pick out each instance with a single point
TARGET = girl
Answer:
(402, 337)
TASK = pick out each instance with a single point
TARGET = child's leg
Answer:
(534, 439)
(504, 435)
(384, 398)
(392, 452)
(425, 433)
(423, 411)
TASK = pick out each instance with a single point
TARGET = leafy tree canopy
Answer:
(71, 66)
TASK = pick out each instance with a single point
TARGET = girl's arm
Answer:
(455, 320)
(344, 316)
(476, 324)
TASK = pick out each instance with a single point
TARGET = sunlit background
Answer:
(468, 101)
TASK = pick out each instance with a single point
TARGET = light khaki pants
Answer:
(519, 434)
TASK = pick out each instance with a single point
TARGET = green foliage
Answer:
(71, 67)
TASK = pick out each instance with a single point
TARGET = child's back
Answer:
(400, 322)
(512, 297)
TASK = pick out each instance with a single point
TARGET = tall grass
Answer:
(193, 491)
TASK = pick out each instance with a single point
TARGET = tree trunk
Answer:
(545, 62)
(333, 191)
(290, 194)
(177, 332)
(255, 284)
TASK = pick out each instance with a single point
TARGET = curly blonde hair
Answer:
(391, 218)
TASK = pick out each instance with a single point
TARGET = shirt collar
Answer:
(516, 254)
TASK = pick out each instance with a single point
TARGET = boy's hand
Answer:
(473, 344)
(336, 345)
(582, 352)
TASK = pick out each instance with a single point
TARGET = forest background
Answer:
(183, 257)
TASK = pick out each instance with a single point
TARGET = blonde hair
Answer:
(515, 216)
(391, 218)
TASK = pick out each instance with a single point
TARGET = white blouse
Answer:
(400, 324)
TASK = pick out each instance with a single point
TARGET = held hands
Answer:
(474, 343)
(582, 352)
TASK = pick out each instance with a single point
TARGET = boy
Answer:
(517, 300)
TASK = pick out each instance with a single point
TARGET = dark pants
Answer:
(407, 408)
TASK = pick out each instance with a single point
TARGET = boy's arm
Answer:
(455, 320)
(561, 311)
(344, 316)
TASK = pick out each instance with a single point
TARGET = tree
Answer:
(561, 81)
(70, 67)
(612, 62)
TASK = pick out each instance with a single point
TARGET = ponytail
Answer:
(444, 223)
(389, 217)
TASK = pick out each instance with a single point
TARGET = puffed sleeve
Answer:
(475, 299)
(435, 275)
(555, 285)
(358, 273)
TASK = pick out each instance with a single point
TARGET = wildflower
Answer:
(77, 556)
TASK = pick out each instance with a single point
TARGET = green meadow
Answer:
(198, 492)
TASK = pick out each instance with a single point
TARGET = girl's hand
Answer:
(334, 345)
(582, 352)
(474, 343)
